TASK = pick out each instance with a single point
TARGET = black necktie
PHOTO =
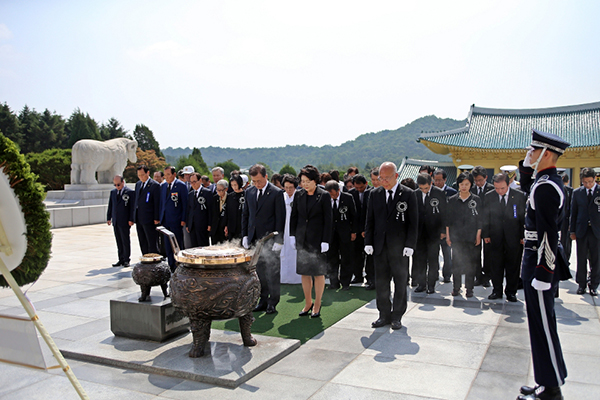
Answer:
(389, 200)
(426, 198)
(335, 207)
(259, 194)
(503, 201)
(589, 196)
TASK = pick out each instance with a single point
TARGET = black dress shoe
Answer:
(430, 290)
(420, 289)
(125, 265)
(316, 314)
(345, 287)
(485, 283)
(512, 298)
(260, 307)
(469, 292)
(334, 286)
(494, 296)
(447, 280)
(593, 292)
(271, 309)
(307, 312)
(477, 282)
(581, 290)
(370, 286)
(396, 325)
(540, 393)
(117, 264)
(357, 280)
(379, 323)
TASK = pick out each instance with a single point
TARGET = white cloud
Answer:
(5, 33)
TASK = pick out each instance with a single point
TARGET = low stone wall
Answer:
(62, 217)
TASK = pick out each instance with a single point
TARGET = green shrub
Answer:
(53, 167)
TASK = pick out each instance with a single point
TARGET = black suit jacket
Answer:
(235, 207)
(389, 226)
(584, 212)
(259, 218)
(199, 212)
(432, 214)
(361, 208)
(488, 187)
(120, 208)
(450, 191)
(505, 222)
(147, 202)
(345, 218)
(311, 226)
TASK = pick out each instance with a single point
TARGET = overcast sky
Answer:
(258, 73)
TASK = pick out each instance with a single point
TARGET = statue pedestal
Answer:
(81, 195)
(156, 320)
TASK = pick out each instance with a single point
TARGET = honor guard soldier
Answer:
(585, 229)
(543, 266)
(173, 207)
(511, 172)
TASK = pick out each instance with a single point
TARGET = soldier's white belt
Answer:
(531, 235)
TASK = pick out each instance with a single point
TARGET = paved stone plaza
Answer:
(448, 348)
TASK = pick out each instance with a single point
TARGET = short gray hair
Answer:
(223, 183)
(218, 169)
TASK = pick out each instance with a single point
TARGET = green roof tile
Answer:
(492, 128)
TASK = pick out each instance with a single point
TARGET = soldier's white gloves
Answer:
(369, 250)
(277, 247)
(245, 242)
(324, 247)
(408, 252)
(539, 285)
(293, 242)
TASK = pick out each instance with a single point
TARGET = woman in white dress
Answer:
(288, 252)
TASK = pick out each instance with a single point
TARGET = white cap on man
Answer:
(188, 169)
(244, 179)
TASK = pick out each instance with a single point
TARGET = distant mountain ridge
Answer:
(369, 148)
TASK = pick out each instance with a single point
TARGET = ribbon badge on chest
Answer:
(473, 207)
(242, 201)
(175, 198)
(125, 199)
(434, 203)
(223, 210)
(401, 207)
(343, 210)
(202, 202)
(597, 202)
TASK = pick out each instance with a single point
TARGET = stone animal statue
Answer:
(108, 158)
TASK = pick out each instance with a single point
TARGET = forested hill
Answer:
(367, 149)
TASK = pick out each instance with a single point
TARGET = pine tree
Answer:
(146, 140)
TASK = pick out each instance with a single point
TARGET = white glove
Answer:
(293, 242)
(277, 247)
(324, 247)
(408, 252)
(245, 242)
(539, 285)
(369, 250)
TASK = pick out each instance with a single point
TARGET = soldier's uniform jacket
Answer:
(545, 212)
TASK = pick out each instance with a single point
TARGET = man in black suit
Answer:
(264, 212)
(360, 192)
(481, 187)
(391, 235)
(199, 212)
(585, 229)
(565, 237)
(339, 256)
(504, 232)
(146, 210)
(173, 206)
(439, 180)
(121, 205)
(431, 202)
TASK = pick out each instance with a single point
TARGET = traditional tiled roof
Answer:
(410, 169)
(493, 128)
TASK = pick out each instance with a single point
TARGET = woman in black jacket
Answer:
(234, 206)
(463, 233)
(310, 225)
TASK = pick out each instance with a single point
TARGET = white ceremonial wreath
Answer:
(125, 197)
(472, 204)
(343, 210)
(434, 202)
(175, 196)
(201, 200)
(242, 200)
(597, 201)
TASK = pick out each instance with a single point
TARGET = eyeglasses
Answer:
(220, 190)
(388, 179)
